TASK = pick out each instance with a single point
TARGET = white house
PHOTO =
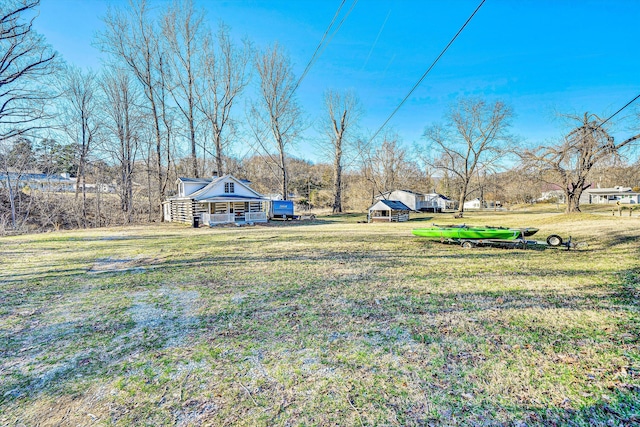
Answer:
(610, 195)
(432, 202)
(41, 181)
(437, 202)
(473, 204)
(215, 201)
(557, 195)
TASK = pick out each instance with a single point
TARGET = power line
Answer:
(428, 70)
(614, 114)
(339, 25)
(320, 48)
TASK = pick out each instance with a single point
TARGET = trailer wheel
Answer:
(468, 245)
(554, 240)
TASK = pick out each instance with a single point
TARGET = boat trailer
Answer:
(553, 241)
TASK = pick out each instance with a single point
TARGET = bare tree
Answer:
(225, 76)
(341, 114)
(132, 38)
(80, 121)
(24, 60)
(277, 118)
(182, 27)
(16, 158)
(474, 136)
(570, 162)
(123, 122)
(385, 165)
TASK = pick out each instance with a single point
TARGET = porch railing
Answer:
(255, 216)
(216, 218)
(227, 218)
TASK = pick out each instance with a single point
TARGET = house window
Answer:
(228, 187)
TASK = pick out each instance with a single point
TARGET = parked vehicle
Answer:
(281, 209)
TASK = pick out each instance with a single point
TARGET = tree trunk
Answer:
(285, 177)
(461, 200)
(573, 200)
(337, 181)
(156, 124)
(12, 202)
(217, 139)
(194, 154)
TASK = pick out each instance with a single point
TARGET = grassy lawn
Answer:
(330, 322)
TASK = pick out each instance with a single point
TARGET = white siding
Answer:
(217, 189)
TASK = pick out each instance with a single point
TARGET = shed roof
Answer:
(394, 205)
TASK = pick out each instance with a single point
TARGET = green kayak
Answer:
(471, 232)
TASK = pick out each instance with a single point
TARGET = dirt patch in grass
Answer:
(121, 265)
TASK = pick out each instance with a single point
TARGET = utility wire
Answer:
(427, 72)
(317, 52)
(614, 114)
(338, 27)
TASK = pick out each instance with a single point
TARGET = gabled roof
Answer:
(207, 180)
(195, 180)
(393, 205)
(208, 193)
(406, 191)
(441, 196)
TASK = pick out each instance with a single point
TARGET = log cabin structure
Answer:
(219, 200)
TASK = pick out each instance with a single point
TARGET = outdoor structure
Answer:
(435, 202)
(552, 195)
(610, 195)
(389, 211)
(432, 202)
(215, 201)
(473, 204)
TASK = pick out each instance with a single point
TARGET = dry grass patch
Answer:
(320, 323)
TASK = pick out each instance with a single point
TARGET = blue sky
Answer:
(541, 57)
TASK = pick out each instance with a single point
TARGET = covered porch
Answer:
(224, 211)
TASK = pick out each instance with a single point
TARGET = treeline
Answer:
(176, 97)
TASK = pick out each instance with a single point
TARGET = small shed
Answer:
(389, 211)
